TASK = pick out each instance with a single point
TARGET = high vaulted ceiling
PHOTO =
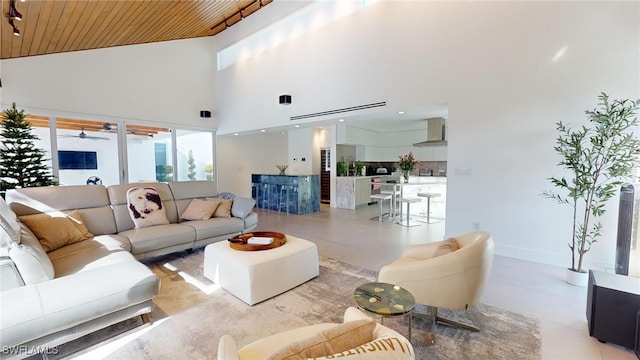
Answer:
(55, 26)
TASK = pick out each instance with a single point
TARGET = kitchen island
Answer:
(293, 194)
(355, 191)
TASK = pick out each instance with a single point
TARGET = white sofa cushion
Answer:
(9, 225)
(31, 260)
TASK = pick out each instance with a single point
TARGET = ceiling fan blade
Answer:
(96, 138)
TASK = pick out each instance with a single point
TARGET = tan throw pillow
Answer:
(447, 246)
(57, 230)
(199, 209)
(330, 341)
(224, 207)
(145, 207)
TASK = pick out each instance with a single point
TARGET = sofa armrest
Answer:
(9, 276)
(227, 348)
(32, 311)
(242, 206)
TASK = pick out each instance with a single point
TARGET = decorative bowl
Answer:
(282, 168)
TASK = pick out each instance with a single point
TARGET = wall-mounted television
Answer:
(77, 160)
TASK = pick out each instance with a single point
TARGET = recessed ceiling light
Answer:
(401, 112)
(263, 130)
(297, 126)
(236, 134)
(341, 120)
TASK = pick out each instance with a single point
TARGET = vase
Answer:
(577, 278)
(405, 174)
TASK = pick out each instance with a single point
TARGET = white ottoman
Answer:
(254, 276)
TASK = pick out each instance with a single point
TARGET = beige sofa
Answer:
(311, 341)
(49, 298)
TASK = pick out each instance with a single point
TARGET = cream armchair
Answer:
(449, 274)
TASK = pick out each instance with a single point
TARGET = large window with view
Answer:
(194, 150)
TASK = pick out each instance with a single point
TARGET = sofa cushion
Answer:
(242, 207)
(145, 207)
(210, 228)
(199, 209)
(158, 237)
(55, 230)
(329, 341)
(224, 207)
(9, 225)
(31, 260)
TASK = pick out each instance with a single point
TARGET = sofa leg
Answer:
(145, 318)
(452, 322)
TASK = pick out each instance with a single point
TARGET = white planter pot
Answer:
(577, 278)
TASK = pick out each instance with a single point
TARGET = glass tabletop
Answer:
(384, 299)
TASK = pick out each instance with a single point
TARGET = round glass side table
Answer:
(385, 300)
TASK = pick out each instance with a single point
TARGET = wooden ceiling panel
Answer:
(54, 26)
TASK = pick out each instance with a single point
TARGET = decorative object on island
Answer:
(600, 157)
(407, 164)
(282, 168)
(359, 168)
(22, 164)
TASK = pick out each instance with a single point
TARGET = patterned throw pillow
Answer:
(145, 207)
(332, 340)
(447, 246)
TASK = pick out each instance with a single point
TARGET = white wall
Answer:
(240, 156)
(301, 152)
(493, 64)
(167, 82)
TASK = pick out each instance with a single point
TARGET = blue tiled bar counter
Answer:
(293, 194)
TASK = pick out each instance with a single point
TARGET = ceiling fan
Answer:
(114, 127)
(84, 135)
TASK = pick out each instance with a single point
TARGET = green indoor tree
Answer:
(22, 164)
(192, 166)
(600, 157)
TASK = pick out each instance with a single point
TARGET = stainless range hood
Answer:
(435, 133)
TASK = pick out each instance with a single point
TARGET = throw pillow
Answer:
(387, 348)
(447, 246)
(242, 207)
(199, 209)
(224, 207)
(145, 207)
(55, 230)
(330, 341)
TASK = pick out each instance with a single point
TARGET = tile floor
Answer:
(529, 288)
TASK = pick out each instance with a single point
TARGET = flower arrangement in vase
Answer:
(407, 163)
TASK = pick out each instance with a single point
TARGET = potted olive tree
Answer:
(599, 157)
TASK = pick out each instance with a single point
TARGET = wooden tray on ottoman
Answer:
(239, 242)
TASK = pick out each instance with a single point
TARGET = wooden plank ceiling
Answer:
(55, 26)
(93, 126)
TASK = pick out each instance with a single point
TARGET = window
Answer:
(195, 155)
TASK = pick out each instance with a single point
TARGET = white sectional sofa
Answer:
(49, 298)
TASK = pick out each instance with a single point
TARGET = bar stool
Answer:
(380, 199)
(408, 201)
(284, 199)
(395, 194)
(429, 196)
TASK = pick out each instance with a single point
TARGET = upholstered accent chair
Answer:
(450, 274)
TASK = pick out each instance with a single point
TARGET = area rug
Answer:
(192, 313)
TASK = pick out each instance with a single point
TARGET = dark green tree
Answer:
(22, 164)
(192, 166)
